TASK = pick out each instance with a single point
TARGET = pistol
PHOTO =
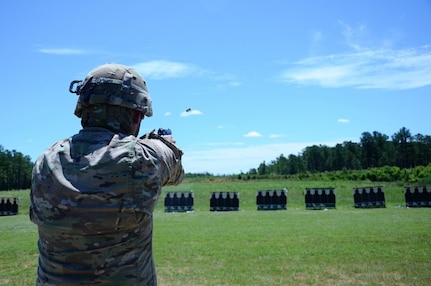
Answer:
(163, 131)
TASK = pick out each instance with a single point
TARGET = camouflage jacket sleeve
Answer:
(169, 157)
(170, 160)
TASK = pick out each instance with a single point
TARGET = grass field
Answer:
(343, 246)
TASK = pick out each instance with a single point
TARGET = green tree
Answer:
(422, 146)
(295, 165)
(261, 170)
(15, 170)
(353, 155)
(403, 149)
(314, 158)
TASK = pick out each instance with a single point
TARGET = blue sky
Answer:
(262, 78)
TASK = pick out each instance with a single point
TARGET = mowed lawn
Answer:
(342, 246)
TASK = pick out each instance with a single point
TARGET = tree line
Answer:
(402, 150)
(15, 170)
(375, 150)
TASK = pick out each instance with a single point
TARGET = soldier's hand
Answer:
(169, 138)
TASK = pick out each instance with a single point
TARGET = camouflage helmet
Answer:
(112, 84)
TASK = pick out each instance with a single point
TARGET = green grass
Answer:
(18, 250)
(343, 246)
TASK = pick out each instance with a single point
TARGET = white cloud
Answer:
(224, 80)
(167, 113)
(343, 120)
(234, 83)
(253, 134)
(190, 113)
(63, 51)
(163, 69)
(160, 69)
(316, 36)
(276, 135)
(369, 69)
(354, 36)
(316, 40)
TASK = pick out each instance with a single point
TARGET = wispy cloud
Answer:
(276, 135)
(316, 39)
(161, 69)
(354, 36)
(343, 120)
(164, 69)
(63, 51)
(253, 134)
(167, 113)
(234, 83)
(227, 84)
(370, 69)
(191, 112)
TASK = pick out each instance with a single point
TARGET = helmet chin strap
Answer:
(137, 130)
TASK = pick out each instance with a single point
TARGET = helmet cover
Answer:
(113, 84)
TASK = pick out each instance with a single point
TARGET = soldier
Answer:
(93, 194)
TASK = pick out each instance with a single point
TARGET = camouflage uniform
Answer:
(93, 194)
(92, 199)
